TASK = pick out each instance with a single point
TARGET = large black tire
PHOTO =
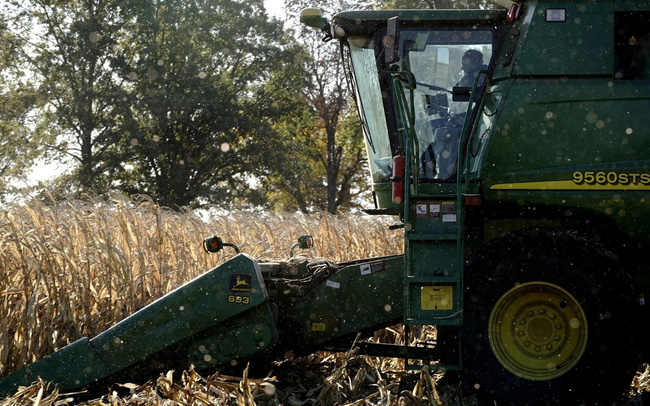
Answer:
(602, 365)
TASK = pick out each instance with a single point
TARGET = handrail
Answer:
(406, 112)
(461, 140)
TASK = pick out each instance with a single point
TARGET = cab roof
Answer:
(366, 22)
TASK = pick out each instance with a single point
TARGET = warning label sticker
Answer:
(449, 218)
(421, 210)
(434, 208)
(372, 267)
(448, 207)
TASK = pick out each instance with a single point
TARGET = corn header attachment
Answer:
(240, 309)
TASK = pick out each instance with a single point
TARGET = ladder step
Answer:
(449, 320)
(433, 237)
(432, 279)
(433, 289)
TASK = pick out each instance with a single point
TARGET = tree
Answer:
(328, 158)
(198, 91)
(69, 56)
(299, 167)
(17, 99)
(295, 178)
(165, 98)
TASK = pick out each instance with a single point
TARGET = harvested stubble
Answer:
(322, 379)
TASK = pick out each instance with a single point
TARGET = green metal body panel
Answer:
(364, 295)
(181, 314)
(583, 45)
(220, 317)
(354, 22)
(74, 366)
(564, 134)
(583, 132)
(238, 338)
(631, 5)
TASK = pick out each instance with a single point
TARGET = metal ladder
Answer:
(433, 251)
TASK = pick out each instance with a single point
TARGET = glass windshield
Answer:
(441, 60)
(369, 100)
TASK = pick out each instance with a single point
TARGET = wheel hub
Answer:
(538, 331)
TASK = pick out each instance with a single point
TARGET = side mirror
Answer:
(313, 17)
(391, 42)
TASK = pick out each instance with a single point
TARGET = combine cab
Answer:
(514, 147)
(240, 309)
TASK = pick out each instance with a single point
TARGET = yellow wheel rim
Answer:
(538, 331)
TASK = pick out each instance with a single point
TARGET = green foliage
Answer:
(67, 54)
(325, 172)
(171, 99)
(433, 4)
(199, 96)
(18, 148)
(295, 180)
(298, 165)
(181, 101)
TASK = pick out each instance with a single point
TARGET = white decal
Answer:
(448, 218)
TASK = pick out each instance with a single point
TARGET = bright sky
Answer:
(274, 7)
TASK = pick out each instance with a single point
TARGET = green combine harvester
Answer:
(514, 147)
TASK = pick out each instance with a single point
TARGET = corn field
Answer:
(74, 268)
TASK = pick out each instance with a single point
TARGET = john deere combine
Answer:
(514, 147)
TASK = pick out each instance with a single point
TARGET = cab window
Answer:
(439, 61)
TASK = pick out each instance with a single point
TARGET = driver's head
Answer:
(472, 60)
